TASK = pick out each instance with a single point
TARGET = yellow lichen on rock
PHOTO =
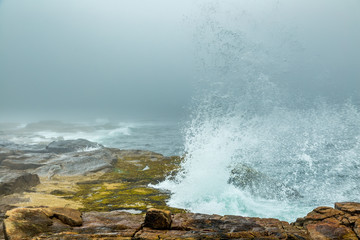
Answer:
(127, 186)
(43, 199)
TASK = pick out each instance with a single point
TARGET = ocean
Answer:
(269, 92)
(315, 152)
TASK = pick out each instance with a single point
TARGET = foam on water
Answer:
(162, 137)
(314, 150)
(262, 73)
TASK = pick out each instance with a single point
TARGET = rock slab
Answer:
(13, 181)
(27, 223)
(65, 146)
(45, 223)
(326, 223)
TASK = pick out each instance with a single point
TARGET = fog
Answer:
(137, 58)
(93, 58)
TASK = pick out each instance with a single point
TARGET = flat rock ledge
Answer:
(341, 222)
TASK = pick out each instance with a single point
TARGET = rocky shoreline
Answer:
(77, 189)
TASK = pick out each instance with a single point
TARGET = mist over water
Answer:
(273, 85)
(280, 94)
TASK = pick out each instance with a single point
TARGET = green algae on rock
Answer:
(127, 186)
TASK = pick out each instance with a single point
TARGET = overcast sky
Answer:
(106, 58)
(117, 58)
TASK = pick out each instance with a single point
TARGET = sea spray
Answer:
(260, 105)
(314, 151)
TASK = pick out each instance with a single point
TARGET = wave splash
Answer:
(258, 116)
(314, 151)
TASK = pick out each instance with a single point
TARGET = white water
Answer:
(315, 151)
(275, 78)
(162, 137)
(276, 97)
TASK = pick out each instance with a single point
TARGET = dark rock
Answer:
(12, 181)
(65, 146)
(158, 219)
(259, 184)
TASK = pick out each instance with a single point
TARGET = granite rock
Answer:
(13, 181)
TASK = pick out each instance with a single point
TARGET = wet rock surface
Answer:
(260, 185)
(65, 146)
(82, 194)
(326, 223)
(49, 164)
(100, 179)
(30, 223)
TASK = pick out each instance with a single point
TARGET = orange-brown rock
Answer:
(69, 216)
(349, 207)
(158, 219)
(202, 226)
(330, 229)
(325, 223)
(322, 213)
(42, 223)
(116, 223)
(357, 227)
(3, 209)
(25, 223)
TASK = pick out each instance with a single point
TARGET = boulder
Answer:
(65, 146)
(158, 219)
(13, 181)
(260, 185)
